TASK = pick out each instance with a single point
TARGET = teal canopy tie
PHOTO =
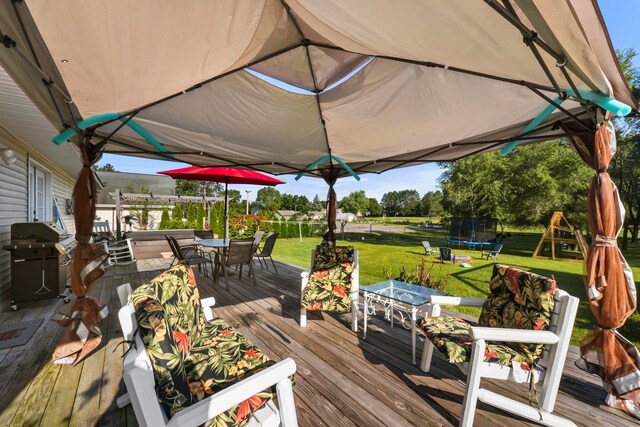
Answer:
(98, 118)
(326, 158)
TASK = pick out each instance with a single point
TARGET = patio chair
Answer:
(266, 251)
(446, 255)
(428, 250)
(189, 254)
(239, 253)
(335, 266)
(525, 322)
(159, 374)
(120, 254)
(492, 253)
(257, 239)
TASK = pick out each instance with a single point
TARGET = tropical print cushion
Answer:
(518, 299)
(451, 335)
(329, 286)
(193, 358)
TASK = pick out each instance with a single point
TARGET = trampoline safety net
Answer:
(474, 229)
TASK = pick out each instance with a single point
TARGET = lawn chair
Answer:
(245, 397)
(337, 266)
(446, 255)
(503, 344)
(266, 251)
(428, 250)
(189, 254)
(492, 253)
(239, 253)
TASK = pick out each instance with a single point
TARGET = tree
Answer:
(268, 199)
(200, 215)
(107, 167)
(374, 207)
(176, 214)
(355, 203)
(317, 204)
(235, 201)
(186, 187)
(191, 212)
(391, 203)
(431, 204)
(165, 219)
(523, 188)
(296, 203)
(625, 165)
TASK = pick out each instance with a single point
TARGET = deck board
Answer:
(342, 380)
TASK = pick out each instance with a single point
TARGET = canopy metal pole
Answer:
(226, 209)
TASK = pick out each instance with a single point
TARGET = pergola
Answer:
(335, 88)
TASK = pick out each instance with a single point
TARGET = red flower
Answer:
(313, 307)
(538, 325)
(339, 290)
(490, 354)
(254, 402)
(252, 353)
(226, 332)
(182, 339)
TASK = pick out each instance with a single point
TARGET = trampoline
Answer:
(474, 232)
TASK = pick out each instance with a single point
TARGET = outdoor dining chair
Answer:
(266, 251)
(191, 255)
(239, 253)
(523, 336)
(257, 239)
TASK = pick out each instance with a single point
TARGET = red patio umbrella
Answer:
(226, 175)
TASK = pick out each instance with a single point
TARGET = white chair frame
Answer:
(556, 342)
(120, 254)
(355, 288)
(428, 249)
(139, 381)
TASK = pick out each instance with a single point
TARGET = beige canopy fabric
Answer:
(330, 87)
(376, 84)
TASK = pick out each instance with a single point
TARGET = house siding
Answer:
(14, 199)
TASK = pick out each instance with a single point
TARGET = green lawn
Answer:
(387, 251)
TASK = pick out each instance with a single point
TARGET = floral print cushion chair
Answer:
(523, 314)
(332, 283)
(198, 361)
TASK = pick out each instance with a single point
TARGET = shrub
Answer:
(165, 219)
(177, 212)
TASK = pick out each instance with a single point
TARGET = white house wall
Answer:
(14, 194)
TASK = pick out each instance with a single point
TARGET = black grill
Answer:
(39, 262)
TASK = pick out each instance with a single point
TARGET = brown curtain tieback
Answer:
(604, 241)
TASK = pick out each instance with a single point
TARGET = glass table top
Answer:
(402, 292)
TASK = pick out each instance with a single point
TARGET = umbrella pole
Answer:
(226, 209)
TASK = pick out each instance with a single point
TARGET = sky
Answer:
(621, 19)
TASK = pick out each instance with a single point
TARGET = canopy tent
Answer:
(331, 88)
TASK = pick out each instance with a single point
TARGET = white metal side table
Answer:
(406, 299)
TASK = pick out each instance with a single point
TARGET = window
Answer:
(40, 193)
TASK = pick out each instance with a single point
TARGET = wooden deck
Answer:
(341, 380)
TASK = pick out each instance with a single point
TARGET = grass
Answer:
(391, 251)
